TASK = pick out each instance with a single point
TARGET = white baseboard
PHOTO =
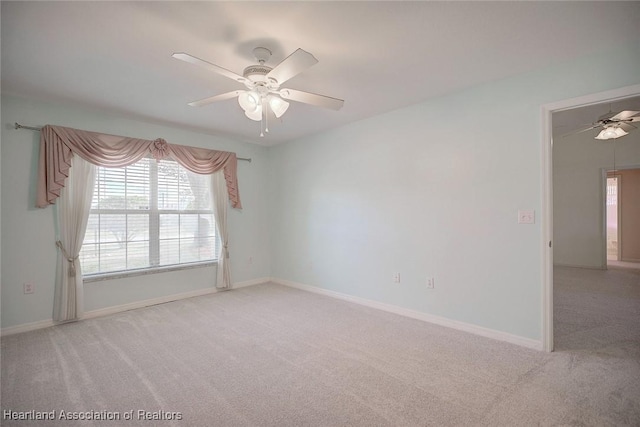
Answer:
(146, 303)
(588, 267)
(442, 321)
(26, 327)
(251, 282)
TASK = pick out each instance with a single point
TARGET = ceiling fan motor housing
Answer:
(256, 72)
(256, 78)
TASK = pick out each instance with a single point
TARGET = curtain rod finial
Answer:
(19, 126)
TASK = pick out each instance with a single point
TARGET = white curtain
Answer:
(73, 213)
(220, 201)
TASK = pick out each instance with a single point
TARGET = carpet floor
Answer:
(269, 355)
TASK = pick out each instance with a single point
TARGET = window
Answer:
(147, 215)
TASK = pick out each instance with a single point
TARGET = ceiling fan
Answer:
(263, 85)
(614, 125)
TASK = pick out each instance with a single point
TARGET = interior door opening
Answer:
(548, 243)
(622, 212)
(613, 216)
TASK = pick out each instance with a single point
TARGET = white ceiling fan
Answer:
(263, 85)
(614, 125)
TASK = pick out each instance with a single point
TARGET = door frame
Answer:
(604, 203)
(546, 142)
(606, 174)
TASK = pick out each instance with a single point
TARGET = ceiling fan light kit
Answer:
(612, 132)
(263, 85)
(250, 103)
(278, 105)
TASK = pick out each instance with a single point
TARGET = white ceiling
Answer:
(377, 56)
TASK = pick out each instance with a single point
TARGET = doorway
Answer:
(547, 221)
(612, 210)
(622, 211)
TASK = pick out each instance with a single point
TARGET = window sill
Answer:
(144, 271)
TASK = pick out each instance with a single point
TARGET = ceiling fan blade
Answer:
(209, 66)
(216, 98)
(586, 129)
(624, 115)
(627, 127)
(580, 131)
(292, 65)
(606, 116)
(312, 98)
(633, 119)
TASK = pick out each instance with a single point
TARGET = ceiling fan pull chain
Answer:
(262, 122)
(266, 116)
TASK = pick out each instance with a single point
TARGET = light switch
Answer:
(526, 216)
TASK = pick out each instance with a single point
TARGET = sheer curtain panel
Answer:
(73, 212)
(220, 201)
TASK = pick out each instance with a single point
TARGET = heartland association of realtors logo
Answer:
(133, 414)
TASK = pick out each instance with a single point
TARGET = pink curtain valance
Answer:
(59, 144)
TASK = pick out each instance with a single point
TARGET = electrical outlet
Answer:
(396, 277)
(431, 283)
(28, 288)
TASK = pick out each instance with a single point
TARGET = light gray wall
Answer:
(433, 190)
(28, 248)
(578, 195)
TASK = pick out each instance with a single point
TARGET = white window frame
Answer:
(154, 235)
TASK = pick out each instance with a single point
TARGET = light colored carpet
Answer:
(269, 355)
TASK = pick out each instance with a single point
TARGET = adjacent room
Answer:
(320, 213)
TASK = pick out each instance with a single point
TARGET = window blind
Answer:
(147, 215)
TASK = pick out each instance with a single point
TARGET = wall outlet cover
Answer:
(526, 216)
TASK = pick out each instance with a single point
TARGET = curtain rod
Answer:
(19, 126)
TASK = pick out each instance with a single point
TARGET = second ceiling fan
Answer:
(613, 125)
(263, 85)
